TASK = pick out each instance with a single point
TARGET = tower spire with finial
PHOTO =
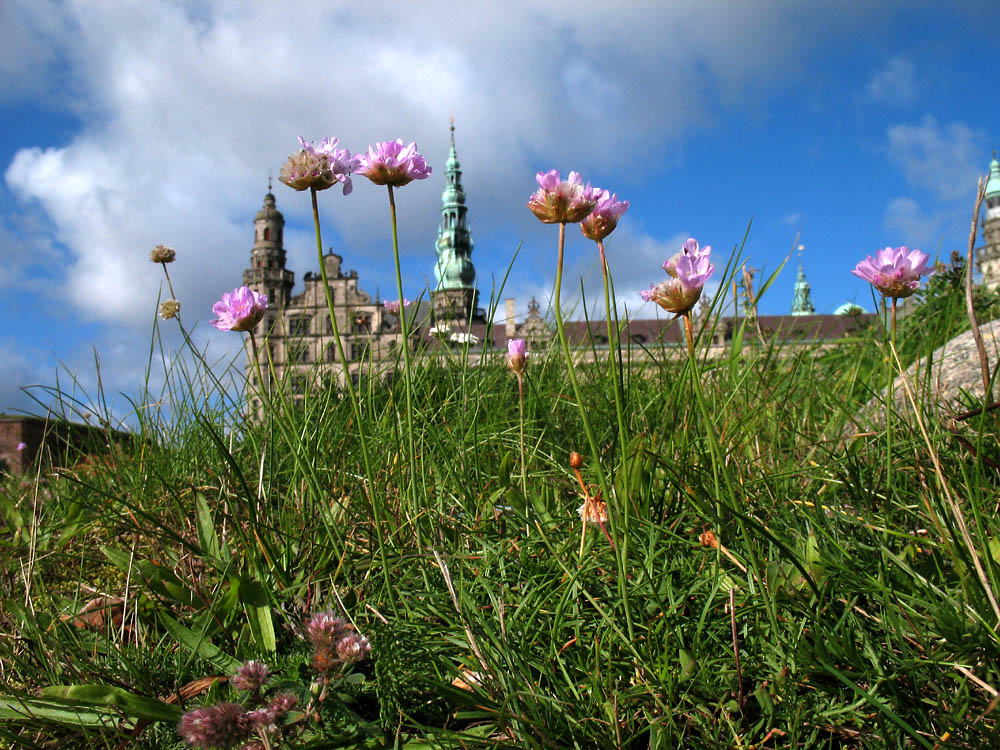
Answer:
(802, 304)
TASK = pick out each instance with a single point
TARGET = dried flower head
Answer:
(575, 460)
(162, 254)
(320, 166)
(169, 309)
(353, 648)
(240, 309)
(708, 539)
(393, 306)
(393, 163)
(895, 272)
(593, 511)
(602, 221)
(517, 354)
(689, 270)
(559, 201)
(219, 726)
(251, 676)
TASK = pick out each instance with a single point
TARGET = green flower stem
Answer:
(888, 407)
(407, 368)
(615, 356)
(591, 438)
(524, 464)
(355, 404)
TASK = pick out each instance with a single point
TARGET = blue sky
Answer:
(126, 125)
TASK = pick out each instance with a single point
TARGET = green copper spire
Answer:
(992, 184)
(454, 269)
(802, 304)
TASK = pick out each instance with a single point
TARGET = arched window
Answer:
(267, 233)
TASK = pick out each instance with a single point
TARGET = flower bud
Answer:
(575, 460)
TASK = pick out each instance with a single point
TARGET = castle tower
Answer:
(988, 256)
(802, 304)
(267, 273)
(455, 296)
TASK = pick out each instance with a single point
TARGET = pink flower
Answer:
(392, 306)
(325, 629)
(218, 726)
(21, 446)
(559, 201)
(320, 167)
(604, 218)
(251, 676)
(516, 354)
(392, 163)
(895, 272)
(353, 648)
(689, 270)
(239, 310)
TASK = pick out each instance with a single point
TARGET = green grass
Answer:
(860, 617)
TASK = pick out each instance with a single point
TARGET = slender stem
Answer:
(524, 464)
(407, 377)
(169, 284)
(890, 399)
(689, 335)
(355, 403)
(614, 353)
(591, 438)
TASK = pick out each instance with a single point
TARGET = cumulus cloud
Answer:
(186, 107)
(895, 83)
(944, 159)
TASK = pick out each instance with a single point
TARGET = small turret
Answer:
(988, 256)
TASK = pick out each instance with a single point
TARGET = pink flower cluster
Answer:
(689, 269)
(393, 163)
(319, 167)
(393, 306)
(239, 310)
(895, 272)
(602, 221)
(335, 644)
(559, 201)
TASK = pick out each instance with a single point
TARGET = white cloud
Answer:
(907, 221)
(943, 159)
(185, 108)
(895, 83)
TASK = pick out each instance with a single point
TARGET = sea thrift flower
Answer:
(391, 163)
(392, 306)
(895, 272)
(319, 167)
(251, 676)
(21, 446)
(516, 354)
(162, 254)
(219, 726)
(689, 270)
(604, 218)
(353, 648)
(239, 310)
(169, 309)
(559, 201)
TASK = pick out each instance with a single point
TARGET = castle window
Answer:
(298, 326)
(270, 296)
(298, 384)
(298, 354)
(267, 233)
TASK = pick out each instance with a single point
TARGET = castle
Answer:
(300, 337)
